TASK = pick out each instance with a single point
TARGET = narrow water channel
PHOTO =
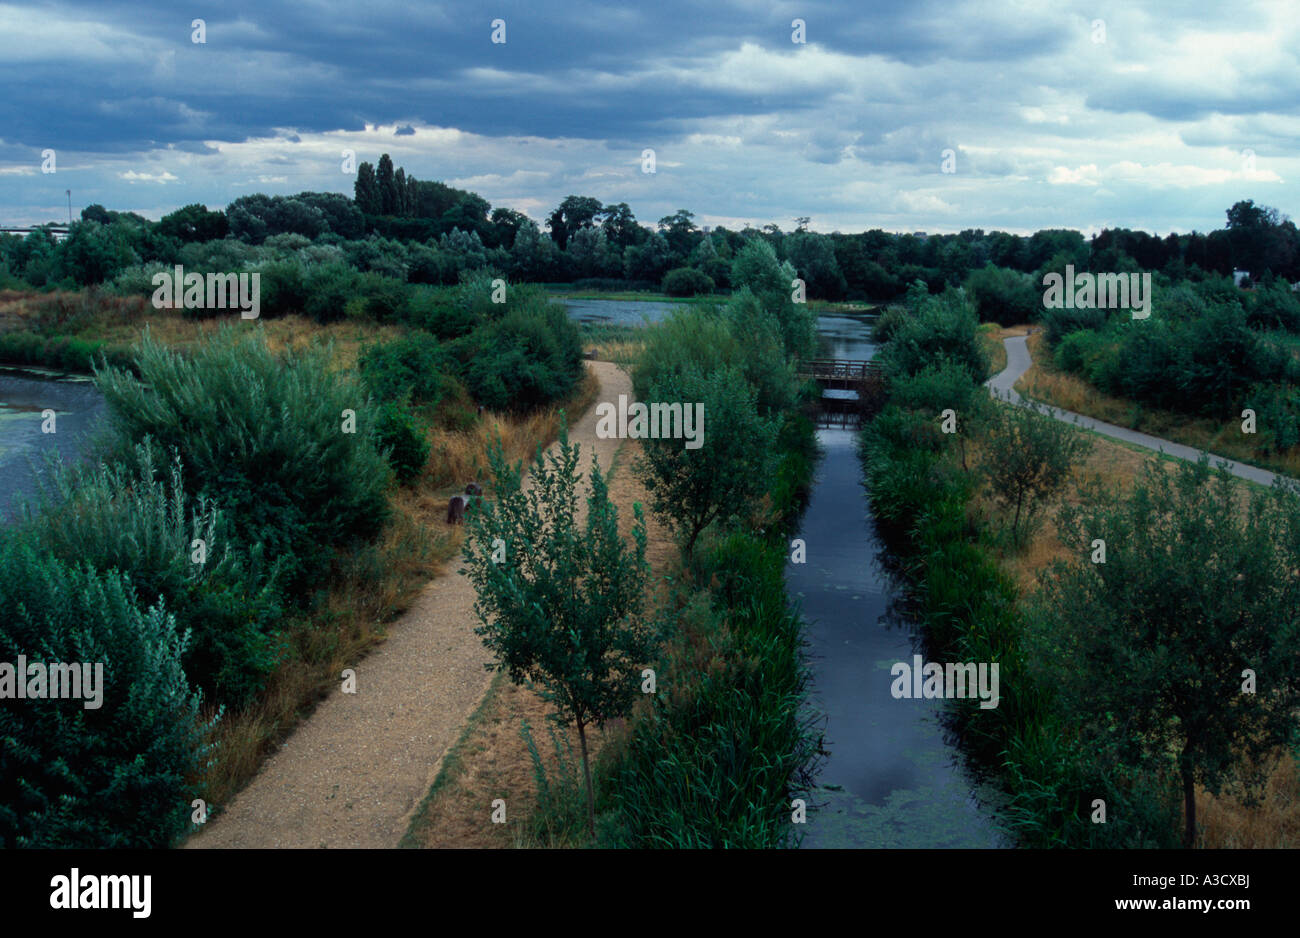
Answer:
(892, 779)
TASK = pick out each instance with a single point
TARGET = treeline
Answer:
(427, 232)
(1120, 695)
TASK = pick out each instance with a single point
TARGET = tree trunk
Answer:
(586, 771)
(1189, 808)
(1015, 525)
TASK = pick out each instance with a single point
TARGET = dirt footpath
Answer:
(353, 773)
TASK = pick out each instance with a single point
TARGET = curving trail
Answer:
(1019, 361)
(353, 773)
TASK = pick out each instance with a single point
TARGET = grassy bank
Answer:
(715, 749)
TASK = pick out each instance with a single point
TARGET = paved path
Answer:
(1019, 361)
(353, 773)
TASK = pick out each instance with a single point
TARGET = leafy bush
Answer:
(687, 281)
(398, 435)
(135, 518)
(888, 322)
(410, 369)
(1058, 323)
(328, 289)
(1273, 307)
(529, 359)
(727, 471)
(113, 776)
(1028, 457)
(1072, 353)
(1204, 366)
(284, 288)
(1277, 412)
(937, 387)
(263, 436)
(944, 327)
(700, 339)
(1004, 296)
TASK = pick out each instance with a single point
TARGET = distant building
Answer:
(1238, 276)
(920, 235)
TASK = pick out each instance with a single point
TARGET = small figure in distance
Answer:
(456, 507)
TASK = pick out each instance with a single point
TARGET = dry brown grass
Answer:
(1228, 823)
(1044, 382)
(491, 760)
(460, 456)
(122, 321)
(619, 352)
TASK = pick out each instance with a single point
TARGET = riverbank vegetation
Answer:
(1094, 715)
(718, 743)
(261, 504)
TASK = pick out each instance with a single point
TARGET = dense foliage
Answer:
(283, 443)
(113, 775)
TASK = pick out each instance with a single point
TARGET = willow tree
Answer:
(1174, 642)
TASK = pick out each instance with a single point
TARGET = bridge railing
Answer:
(839, 369)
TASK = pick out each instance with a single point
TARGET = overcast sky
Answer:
(1152, 115)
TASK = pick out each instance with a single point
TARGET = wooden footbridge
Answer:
(850, 387)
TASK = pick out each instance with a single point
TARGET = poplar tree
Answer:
(387, 185)
(366, 190)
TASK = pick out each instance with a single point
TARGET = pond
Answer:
(25, 395)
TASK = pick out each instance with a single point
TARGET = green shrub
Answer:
(77, 355)
(745, 337)
(135, 519)
(284, 288)
(714, 761)
(727, 469)
(942, 327)
(1002, 295)
(889, 321)
(413, 368)
(114, 776)
(529, 359)
(385, 299)
(687, 281)
(401, 438)
(328, 289)
(263, 436)
(1073, 352)
(1058, 323)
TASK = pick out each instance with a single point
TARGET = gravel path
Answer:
(353, 773)
(1019, 361)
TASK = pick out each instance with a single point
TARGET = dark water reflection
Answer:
(893, 777)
